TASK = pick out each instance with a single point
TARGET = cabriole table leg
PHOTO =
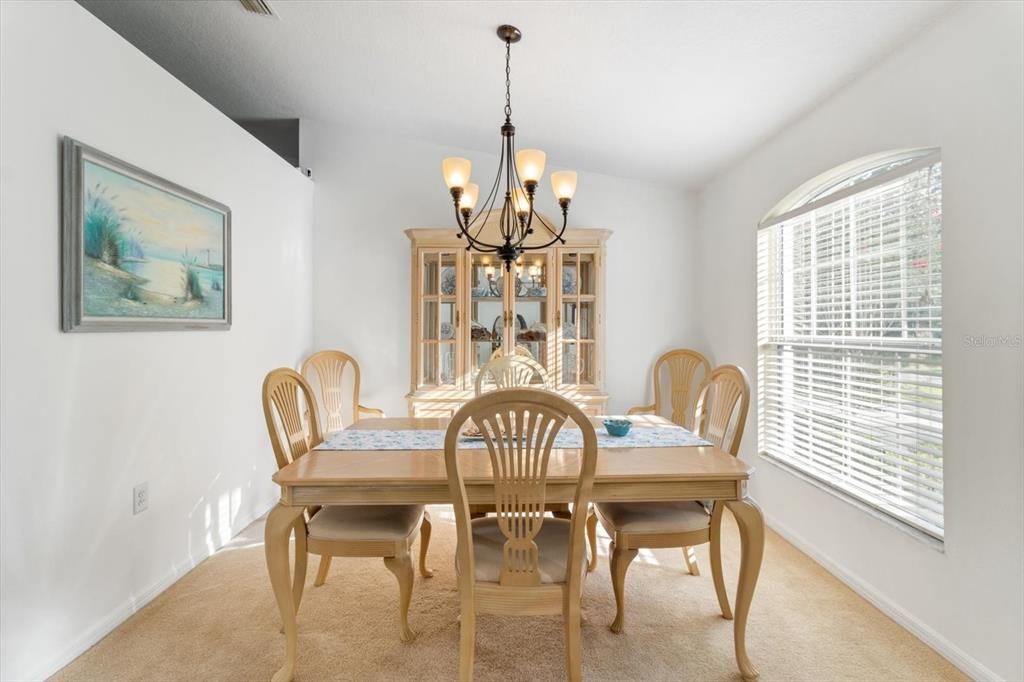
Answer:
(751, 525)
(278, 530)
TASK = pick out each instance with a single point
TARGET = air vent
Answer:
(258, 7)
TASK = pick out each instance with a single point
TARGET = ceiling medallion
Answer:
(517, 179)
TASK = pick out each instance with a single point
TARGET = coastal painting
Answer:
(140, 253)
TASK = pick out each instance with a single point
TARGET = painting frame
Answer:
(74, 316)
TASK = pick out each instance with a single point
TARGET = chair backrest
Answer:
(519, 350)
(722, 404)
(512, 371)
(687, 369)
(519, 427)
(326, 371)
(286, 397)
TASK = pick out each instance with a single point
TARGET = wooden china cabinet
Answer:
(466, 308)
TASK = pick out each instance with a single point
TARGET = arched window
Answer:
(849, 285)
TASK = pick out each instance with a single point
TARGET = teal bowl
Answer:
(617, 427)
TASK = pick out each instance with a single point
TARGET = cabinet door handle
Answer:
(456, 319)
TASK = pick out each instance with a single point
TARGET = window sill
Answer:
(935, 543)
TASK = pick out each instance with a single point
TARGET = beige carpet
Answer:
(220, 623)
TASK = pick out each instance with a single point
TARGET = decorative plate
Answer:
(448, 281)
(447, 330)
(568, 281)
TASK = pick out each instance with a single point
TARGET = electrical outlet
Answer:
(140, 498)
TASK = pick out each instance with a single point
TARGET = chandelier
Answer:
(516, 181)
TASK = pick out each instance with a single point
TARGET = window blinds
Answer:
(849, 298)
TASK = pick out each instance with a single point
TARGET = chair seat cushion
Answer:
(552, 548)
(654, 517)
(383, 522)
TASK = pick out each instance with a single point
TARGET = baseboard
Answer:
(123, 611)
(951, 652)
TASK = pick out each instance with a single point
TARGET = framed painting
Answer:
(139, 253)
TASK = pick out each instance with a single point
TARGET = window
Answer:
(849, 305)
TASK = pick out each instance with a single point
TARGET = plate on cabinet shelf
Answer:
(568, 281)
(448, 281)
(447, 330)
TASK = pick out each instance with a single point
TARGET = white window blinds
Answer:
(849, 298)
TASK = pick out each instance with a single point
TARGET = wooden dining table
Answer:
(353, 477)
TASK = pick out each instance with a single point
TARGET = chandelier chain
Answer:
(508, 82)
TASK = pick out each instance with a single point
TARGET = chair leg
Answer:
(715, 550)
(425, 530)
(573, 648)
(467, 644)
(401, 566)
(690, 557)
(621, 558)
(592, 539)
(321, 574)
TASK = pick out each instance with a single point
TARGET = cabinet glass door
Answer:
(577, 318)
(531, 306)
(486, 311)
(438, 318)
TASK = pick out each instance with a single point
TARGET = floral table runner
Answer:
(413, 439)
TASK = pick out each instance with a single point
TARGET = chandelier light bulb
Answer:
(530, 165)
(469, 196)
(456, 172)
(563, 183)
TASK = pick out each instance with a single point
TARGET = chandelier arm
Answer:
(558, 237)
(488, 203)
(550, 229)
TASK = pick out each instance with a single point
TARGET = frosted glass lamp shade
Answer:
(530, 164)
(456, 171)
(467, 202)
(563, 183)
(520, 201)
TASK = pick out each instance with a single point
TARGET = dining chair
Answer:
(687, 369)
(511, 371)
(325, 371)
(514, 371)
(520, 562)
(520, 350)
(721, 412)
(385, 531)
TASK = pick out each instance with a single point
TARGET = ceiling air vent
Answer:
(258, 7)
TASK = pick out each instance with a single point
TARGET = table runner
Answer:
(424, 439)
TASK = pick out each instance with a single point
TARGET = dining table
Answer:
(627, 471)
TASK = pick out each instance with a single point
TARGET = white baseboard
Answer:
(951, 652)
(123, 611)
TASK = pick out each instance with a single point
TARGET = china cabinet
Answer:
(467, 309)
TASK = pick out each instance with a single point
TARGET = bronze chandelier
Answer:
(517, 179)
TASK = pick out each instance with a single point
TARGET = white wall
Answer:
(370, 188)
(87, 416)
(957, 86)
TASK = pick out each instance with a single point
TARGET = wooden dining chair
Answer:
(325, 371)
(721, 412)
(520, 562)
(519, 350)
(687, 370)
(511, 371)
(385, 531)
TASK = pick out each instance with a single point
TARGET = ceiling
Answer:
(655, 90)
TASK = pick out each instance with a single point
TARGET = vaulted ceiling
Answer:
(656, 90)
